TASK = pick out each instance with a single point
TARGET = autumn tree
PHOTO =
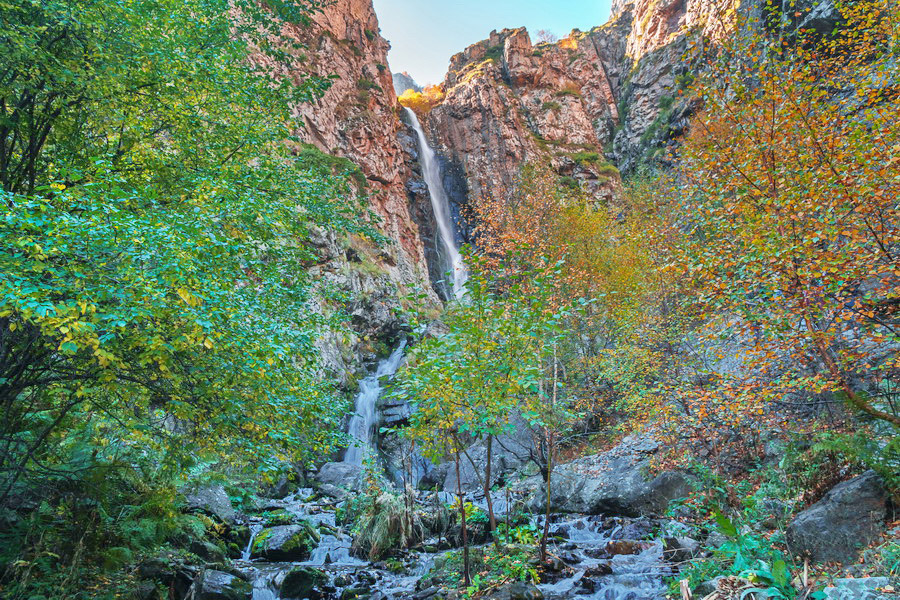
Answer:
(787, 189)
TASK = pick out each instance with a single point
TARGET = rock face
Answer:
(509, 102)
(611, 483)
(357, 119)
(851, 515)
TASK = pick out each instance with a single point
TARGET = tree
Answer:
(491, 365)
(788, 185)
(152, 227)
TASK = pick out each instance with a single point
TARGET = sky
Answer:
(424, 34)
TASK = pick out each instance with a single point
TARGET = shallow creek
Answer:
(604, 560)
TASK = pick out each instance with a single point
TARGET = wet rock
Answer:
(285, 542)
(708, 587)
(599, 570)
(860, 589)
(302, 582)
(851, 515)
(218, 585)
(617, 547)
(337, 479)
(212, 500)
(614, 482)
(352, 593)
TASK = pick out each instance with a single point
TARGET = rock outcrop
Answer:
(850, 516)
(616, 482)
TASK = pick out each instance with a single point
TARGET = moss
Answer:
(569, 89)
(569, 182)
(278, 517)
(583, 158)
(554, 106)
(315, 159)
(365, 83)
(370, 35)
(494, 53)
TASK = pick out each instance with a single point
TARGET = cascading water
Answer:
(441, 207)
(362, 424)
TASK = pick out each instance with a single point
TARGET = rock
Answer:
(715, 539)
(611, 483)
(860, 589)
(617, 547)
(680, 549)
(851, 515)
(599, 570)
(336, 479)
(352, 593)
(525, 591)
(218, 585)
(708, 587)
(208, 551)
(517, 591)
(301, 582)
(213, 500)
(285, 542)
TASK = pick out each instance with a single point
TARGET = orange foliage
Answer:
(423, 101)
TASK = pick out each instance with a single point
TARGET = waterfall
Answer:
(362, 424)
(440, 205)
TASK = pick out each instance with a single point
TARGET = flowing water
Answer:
(362, 423)
(440, 205)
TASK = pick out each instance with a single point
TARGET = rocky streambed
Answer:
(297, 549)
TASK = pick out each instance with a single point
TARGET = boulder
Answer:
(301, 582)
(508, 453)
(337, 479)
(218, 585)
(611, 483)
(517, 591)
(211, 499)
(285, 542)
(680, 549)
(861, 589)
(851, 515)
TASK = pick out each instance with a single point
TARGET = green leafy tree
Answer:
(153, 225)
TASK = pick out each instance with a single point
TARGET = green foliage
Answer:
(494, 53)
(491, 566)
(325, 164)
(570, 182)
(154, 313)
(585, 157)
(380, 519)
(882, 455)
(552, 106)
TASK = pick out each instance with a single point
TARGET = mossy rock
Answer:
(274, 518)
(301, 582)
(285, 542)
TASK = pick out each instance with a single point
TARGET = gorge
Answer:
(610, 316)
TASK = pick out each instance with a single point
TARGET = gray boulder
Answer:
(212, 499)
(851, 515)
(860, 589)
(612, 483)
(218, 585)
(508, 452)
(285, 542)
(337, 479)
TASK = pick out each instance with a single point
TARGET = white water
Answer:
(441, 207)
(362, 424)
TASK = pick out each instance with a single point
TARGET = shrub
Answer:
(570, 89)
(554, 106)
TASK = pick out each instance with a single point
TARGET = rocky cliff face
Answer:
(586, 105)
(357, 119)
(509, 102)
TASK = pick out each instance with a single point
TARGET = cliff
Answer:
(357, 119)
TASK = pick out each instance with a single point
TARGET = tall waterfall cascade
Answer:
(440, 205)
(362, 423)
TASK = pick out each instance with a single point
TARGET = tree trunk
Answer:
(487, 491)
(462, 519)
(546, 531)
